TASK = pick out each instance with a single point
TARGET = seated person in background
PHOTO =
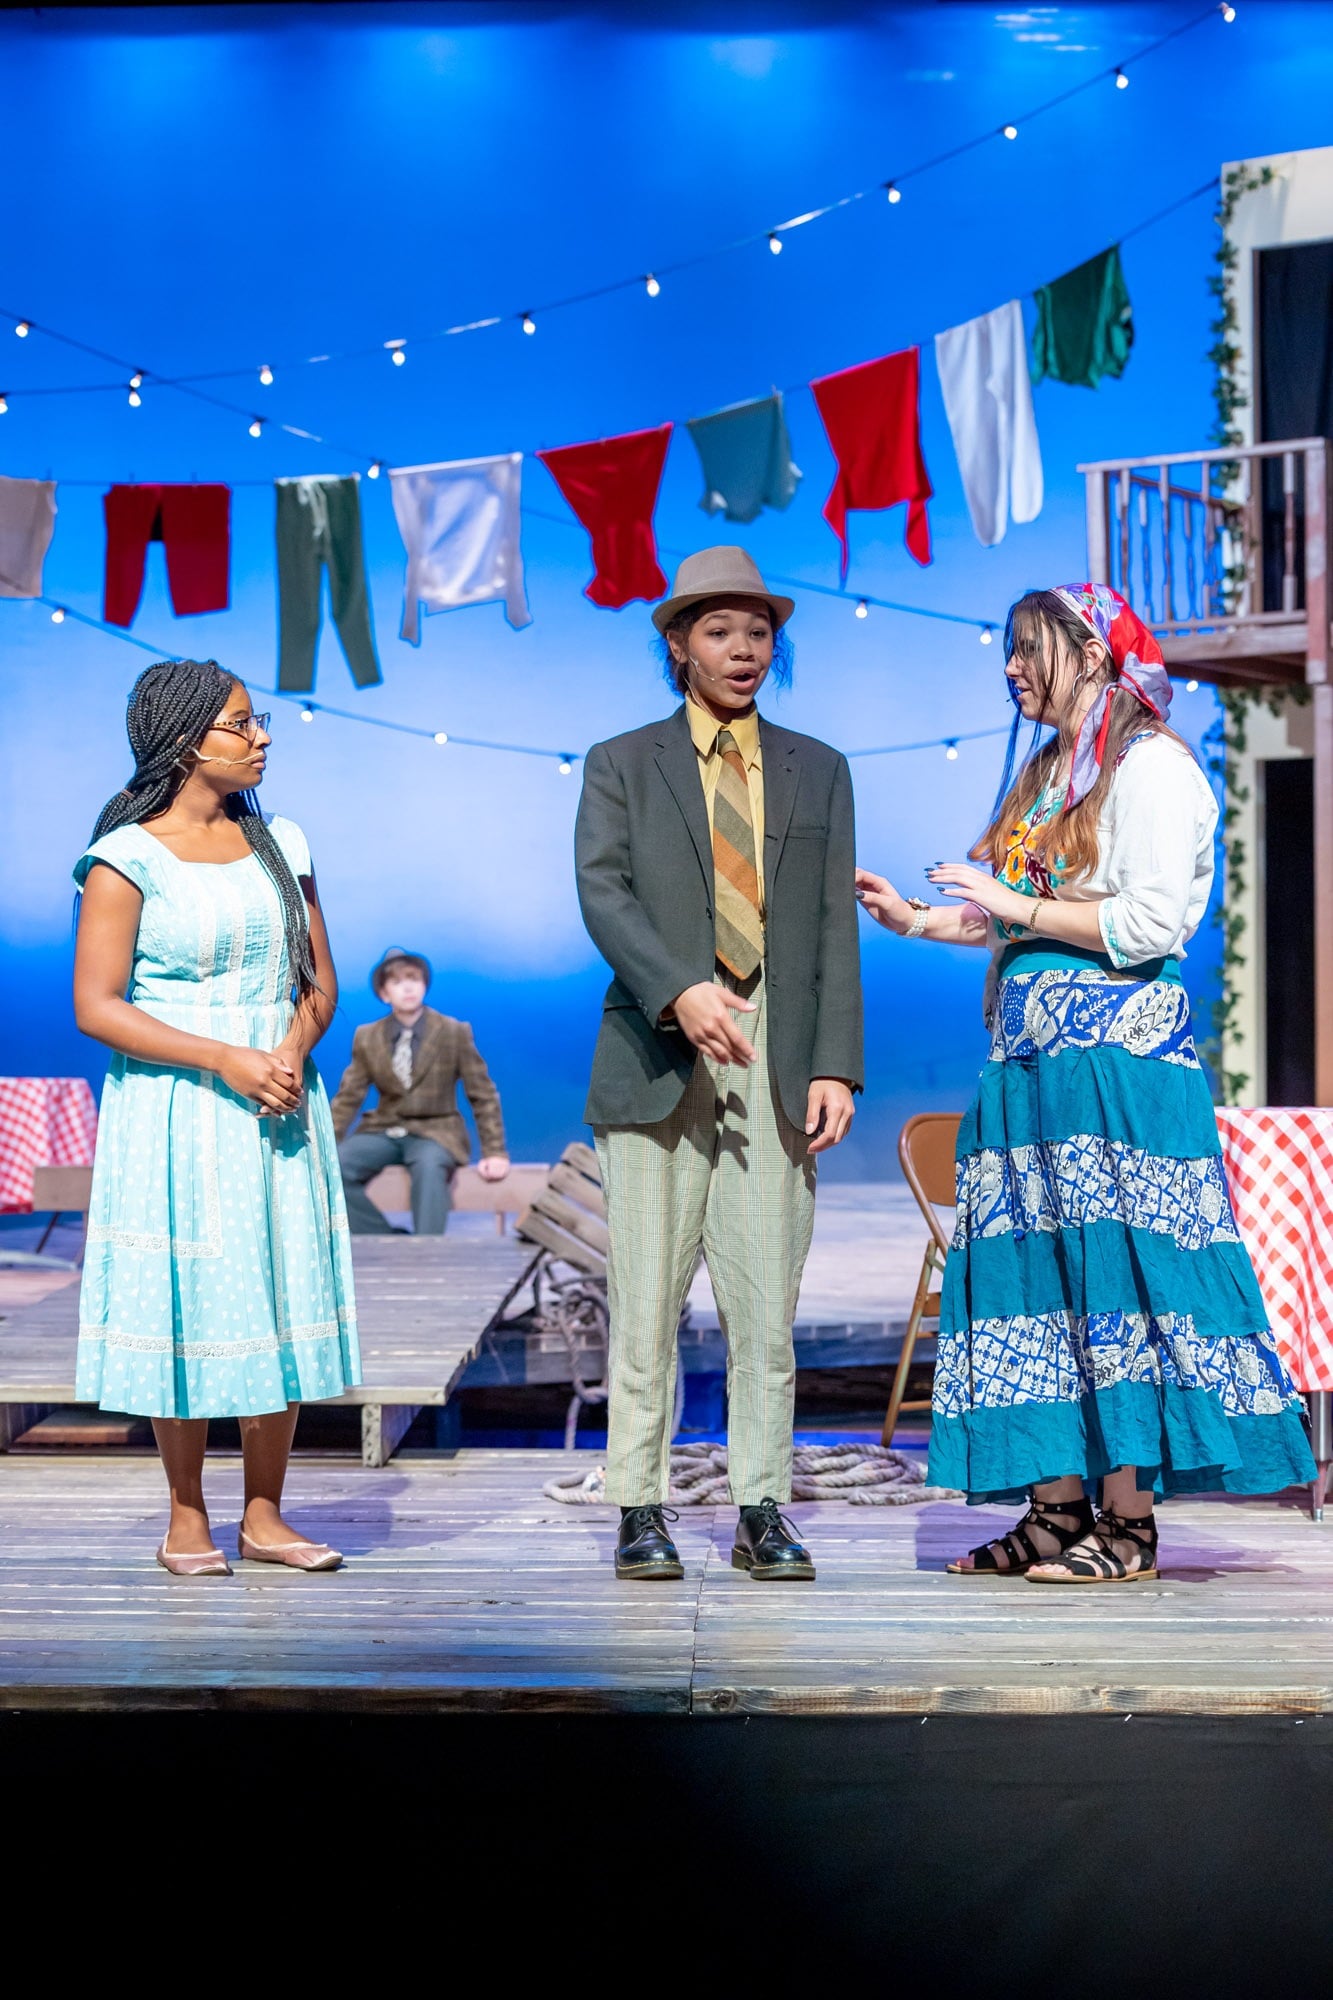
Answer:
(415, 1059)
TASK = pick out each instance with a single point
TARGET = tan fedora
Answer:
(720, 572)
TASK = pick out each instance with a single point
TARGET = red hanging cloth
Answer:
(612, 487)
(194, 522)
(872, 417)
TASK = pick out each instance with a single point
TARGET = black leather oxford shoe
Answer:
(766, 1546)
(645, 1551)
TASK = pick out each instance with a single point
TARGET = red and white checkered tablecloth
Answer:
(1279, 1162)
(44, 1121)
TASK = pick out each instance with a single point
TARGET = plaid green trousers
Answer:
(727, 1173)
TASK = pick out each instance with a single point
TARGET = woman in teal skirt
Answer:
(217, 1280)
(1101, 1330)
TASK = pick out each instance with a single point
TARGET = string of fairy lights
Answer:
(132, 378)
(564, 760)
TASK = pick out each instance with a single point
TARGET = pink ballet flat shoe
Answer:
(207, 1562)
(292, 1555)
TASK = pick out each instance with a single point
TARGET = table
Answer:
(1279, 1162)
(44, 1120)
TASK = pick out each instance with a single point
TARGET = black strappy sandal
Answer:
(1018, 1545)
(1100, 1563)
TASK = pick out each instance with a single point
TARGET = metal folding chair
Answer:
(926, 1149)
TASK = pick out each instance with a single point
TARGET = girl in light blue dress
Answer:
(218, 1277)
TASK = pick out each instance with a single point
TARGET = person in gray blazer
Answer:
(415, 1060)
(716, 875)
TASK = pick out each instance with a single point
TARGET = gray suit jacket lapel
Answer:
(782, 775)
(678, 761)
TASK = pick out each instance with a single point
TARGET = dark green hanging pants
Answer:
(319, 528)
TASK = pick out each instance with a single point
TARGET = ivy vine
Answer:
(1226, 741)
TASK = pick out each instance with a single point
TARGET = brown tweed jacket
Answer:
(446, 1056)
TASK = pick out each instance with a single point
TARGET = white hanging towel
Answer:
(27, 523)
(460, 526)
(988, 400)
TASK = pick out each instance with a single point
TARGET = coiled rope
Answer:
(865, 1475)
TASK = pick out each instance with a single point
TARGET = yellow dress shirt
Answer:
(745, 730)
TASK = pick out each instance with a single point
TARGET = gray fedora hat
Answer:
(720, 572)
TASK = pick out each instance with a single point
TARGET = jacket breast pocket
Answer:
(807, 831)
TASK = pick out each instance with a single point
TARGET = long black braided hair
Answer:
(172, 706)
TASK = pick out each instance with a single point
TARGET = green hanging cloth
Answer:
(746, 457)
(1085, 324)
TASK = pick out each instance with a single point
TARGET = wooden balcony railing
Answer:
(1225, 553)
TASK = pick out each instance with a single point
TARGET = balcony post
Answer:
(1318, 580)
(1099, 550)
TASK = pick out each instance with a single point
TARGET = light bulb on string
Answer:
(134, 399)
(951, 752)
(266, 376)
(307, 715)
(1227, 11)
(775, 242)
(894, 192)
(651, 286)
(4, 403)
(136, 379)
(58, 616)
(986, 634)
(566, 765)
(529, 323)
(440, 736)
(256, 426)
(1009, 131)
(23, 329)
(374, 471)
(1191, 687)
(399, 356)
(862, 609)
(1121, 80)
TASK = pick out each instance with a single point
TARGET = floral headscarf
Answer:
(1139, 672)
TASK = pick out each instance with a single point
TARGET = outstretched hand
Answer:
(878, 897)
(965, 884)
(706, 1015)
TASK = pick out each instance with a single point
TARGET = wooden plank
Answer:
(538, 1228)
(576, 1221)
(584, 1193)
(383, 1428)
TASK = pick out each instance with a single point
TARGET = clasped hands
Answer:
(706, 1015)
(270, 1078)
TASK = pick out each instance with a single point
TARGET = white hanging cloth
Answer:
(27, 523)
(460, 525)
(983, 368)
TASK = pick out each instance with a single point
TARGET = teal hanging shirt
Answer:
(746, 457)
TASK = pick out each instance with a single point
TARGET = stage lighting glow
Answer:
(565, 766)
(951, 752)
(863, 609)
(651, 286)
(23, 329)
(136, 379)
(1191, 687)
(529, 323)
(4, 404)
(266, 376)
(986, 635)
(256, 426)
(775, 243)
(1227, 12)
(1121, 80)
(307, 715)
(399, 356)
(374, 471)
(440, 736)
(895, 194)
(57, 616)
(134, 397)
(1011, 131)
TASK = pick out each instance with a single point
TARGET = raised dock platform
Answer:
(466, 1590)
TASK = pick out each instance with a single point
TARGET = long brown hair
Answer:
(1045, 633)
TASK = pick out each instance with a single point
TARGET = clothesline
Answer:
(649, 280)
(564, 760)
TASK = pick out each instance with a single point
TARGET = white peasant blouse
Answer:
(1154, 872)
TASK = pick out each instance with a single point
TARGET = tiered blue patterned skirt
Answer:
(1099, 1308)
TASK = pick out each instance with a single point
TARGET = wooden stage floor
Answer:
(465, 1589)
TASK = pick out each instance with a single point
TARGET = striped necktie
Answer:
(740, 928)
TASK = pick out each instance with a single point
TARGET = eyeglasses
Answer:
(248, 726)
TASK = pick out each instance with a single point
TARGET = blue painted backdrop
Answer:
(219, 188)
